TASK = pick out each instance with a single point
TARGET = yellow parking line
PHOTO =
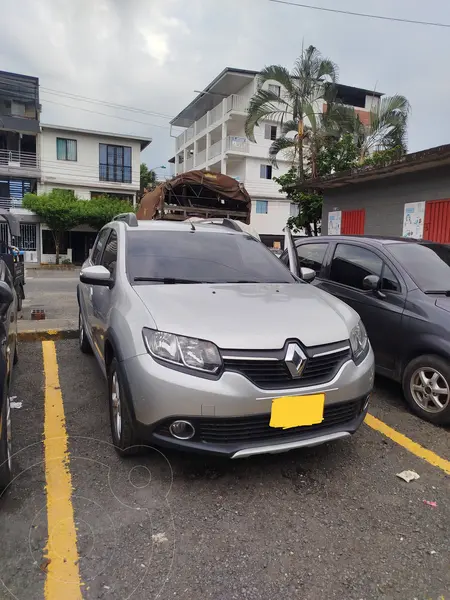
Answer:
(63, 577)
(413, 447)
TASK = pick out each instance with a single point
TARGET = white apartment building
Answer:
(214, 139)
(89, 163)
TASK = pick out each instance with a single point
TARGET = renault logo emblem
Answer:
(295, 360)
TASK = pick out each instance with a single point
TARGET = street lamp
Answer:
(160, 167)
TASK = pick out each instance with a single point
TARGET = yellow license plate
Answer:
(296, 411)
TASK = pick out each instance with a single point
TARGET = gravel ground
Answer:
(327, 522)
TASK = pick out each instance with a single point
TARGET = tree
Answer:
(59, 210)
(102, 209)
(148, 178)
(311, 82)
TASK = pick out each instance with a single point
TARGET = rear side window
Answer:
(109, 258)
(352, 263)
(100, 244)
(311, 256)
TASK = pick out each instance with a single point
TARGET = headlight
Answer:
(359, 342)
(183, 351)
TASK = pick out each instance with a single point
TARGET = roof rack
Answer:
(128, 218)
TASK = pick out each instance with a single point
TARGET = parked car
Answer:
(8, 357)
(401, 289)
(208, 342)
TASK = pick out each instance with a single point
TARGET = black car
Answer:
(8, 357)
(401, 289)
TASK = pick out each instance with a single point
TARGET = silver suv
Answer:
(209, 343)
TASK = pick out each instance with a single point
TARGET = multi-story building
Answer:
(19, 159)
(88, 163)
(214, 139)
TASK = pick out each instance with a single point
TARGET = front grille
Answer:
(274, 374)
(256, 428)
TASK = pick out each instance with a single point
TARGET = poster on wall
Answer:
(334, 222)
(413, 218)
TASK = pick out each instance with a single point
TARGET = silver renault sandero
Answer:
(210, 344)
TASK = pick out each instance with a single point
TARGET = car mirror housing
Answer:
(372, 283)
(96, 275)
(307, 274)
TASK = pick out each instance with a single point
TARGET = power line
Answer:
(106, 114)
(357, 14)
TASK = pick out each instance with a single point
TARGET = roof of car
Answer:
(374, 239)
(161, 225)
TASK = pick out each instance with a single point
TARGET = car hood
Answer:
(253, 316)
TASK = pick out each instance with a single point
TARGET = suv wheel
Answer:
(85, 346)
(426, 385)
(122, 432)
(5, 444)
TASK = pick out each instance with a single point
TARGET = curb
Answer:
(47, 334)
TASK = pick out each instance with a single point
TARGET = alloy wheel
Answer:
(116, 407)
(430, 389)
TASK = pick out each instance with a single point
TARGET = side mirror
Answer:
(307, 274)
(96, 275)
(372, 283)
(6, 293)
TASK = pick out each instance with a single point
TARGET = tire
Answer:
(19, 292)
(123, 435)
(426, 386)
(83, 341)
(5, 444)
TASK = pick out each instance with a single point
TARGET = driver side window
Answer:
(100, 244)
(109, 258)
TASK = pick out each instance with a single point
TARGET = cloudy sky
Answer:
(153, 54)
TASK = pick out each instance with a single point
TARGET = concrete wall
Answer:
(384, 200)
(84, 172)
(272, 223)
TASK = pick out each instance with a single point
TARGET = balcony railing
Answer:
(237, 103)
(10, 202)
(190, 133)
(189, 163)
(14, 158)
(237, 144)
(180, 140)
(201, 124)
(215, 150)
(200, 158)
(216, 114)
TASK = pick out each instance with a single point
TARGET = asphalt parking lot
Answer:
(327, 522)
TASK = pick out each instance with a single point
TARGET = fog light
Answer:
(182, 430)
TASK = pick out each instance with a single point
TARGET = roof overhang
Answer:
(410, 163)
(228, 82)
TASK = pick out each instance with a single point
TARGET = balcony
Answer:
(201, 124)
(215, 114)
(14, 162)
(237, 103)
(200, 158)
(189, 163)
(215, 150)
(237, 144)
(180, 140)
(190, 133)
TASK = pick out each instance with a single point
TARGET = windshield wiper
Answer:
(440, 292)
(168, 280)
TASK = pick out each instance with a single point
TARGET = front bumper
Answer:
(159, 395)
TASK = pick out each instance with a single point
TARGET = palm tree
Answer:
(311, 81)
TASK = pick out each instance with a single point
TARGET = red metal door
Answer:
(436, 224)
(352, 222)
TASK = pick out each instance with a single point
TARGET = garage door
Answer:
(352, 222)
(436, 225)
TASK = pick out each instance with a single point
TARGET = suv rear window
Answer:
(202, 256)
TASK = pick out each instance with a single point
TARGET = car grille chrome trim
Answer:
(277, 448)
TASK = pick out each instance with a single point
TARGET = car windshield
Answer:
(201, 257)
(428, 264)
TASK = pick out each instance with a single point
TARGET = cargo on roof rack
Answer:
(201, 194)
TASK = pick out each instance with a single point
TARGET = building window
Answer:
(265, 171)
(270, 132)
(115, 163)
(66, 149)
(275, 89)
(262, 207)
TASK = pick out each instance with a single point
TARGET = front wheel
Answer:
(124, 438)
(426, 386)
(5, 443)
